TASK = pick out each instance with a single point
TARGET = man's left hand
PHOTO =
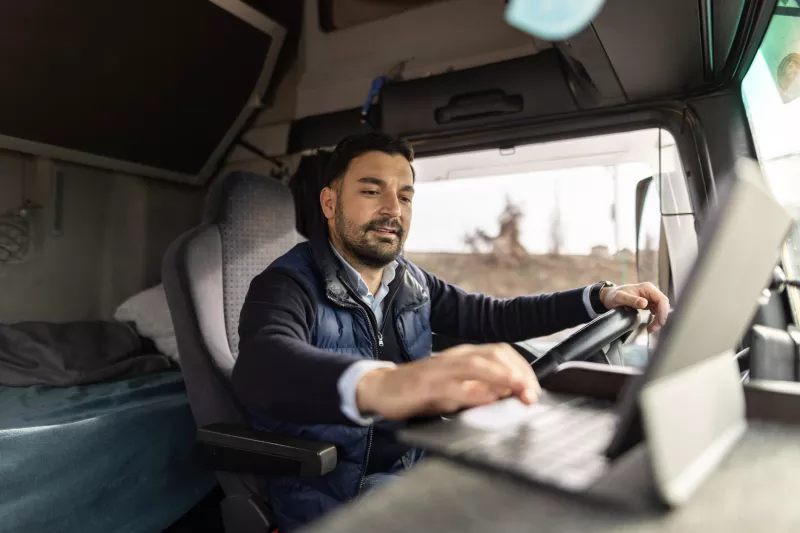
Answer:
(638, 296)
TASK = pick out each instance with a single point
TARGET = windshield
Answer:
(771, 93)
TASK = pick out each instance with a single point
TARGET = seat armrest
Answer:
(233, 448)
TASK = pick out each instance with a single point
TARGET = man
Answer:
(336, 334)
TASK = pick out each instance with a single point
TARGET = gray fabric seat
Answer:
(249, 221)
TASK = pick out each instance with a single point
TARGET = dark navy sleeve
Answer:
(481, 318)
(278, 372)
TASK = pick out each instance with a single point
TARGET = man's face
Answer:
(369, 208)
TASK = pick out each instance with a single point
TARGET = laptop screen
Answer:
(737, 250)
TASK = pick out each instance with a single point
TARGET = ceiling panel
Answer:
(654, 46)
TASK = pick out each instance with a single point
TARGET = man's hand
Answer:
(463, 376)
(638, 296)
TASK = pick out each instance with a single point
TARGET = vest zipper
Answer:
(375, 355)
(364, 463)
(387, 306)
(377, 343)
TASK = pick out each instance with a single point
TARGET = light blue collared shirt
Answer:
(375, 302)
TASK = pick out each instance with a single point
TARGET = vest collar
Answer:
(411, 293)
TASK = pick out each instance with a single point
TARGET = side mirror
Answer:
(642, 189)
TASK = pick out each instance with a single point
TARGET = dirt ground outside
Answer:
(534, 274)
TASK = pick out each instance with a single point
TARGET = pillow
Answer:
(149, 312)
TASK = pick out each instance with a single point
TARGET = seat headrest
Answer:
(237, 192)
(256, 220)
(306, 184)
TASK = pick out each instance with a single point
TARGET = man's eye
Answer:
(405, 199)
(370, 193)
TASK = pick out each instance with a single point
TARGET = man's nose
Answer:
(391, 206)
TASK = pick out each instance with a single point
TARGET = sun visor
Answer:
(153, 88)
(519, 89)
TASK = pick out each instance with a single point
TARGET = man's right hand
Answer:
(460, 377)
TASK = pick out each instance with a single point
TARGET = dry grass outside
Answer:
(534, 274)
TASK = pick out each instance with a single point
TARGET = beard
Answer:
(365, 246)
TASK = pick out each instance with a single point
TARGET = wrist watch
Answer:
(594, 296)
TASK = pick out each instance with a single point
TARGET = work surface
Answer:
(756, 489)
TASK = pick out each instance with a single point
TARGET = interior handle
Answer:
(469, 106)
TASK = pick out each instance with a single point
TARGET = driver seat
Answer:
(249, 222)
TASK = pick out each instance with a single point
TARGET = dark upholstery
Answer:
(248, 223)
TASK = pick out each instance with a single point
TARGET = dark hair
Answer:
(355, 145)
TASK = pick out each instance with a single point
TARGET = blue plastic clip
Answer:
(374, 90)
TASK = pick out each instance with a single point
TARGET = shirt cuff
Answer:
(347, 384)
(588, 303)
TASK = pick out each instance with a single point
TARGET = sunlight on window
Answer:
(485, 224)
(775, 124)
(771, 92)
(593, 207)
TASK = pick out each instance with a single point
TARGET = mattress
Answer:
(114, 456)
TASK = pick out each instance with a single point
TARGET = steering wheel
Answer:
(587, 341)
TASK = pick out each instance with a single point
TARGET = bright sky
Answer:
(444, 211)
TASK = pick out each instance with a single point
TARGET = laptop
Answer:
(688, 404)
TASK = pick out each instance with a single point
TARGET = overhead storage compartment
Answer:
(518, 89)
(525, 88)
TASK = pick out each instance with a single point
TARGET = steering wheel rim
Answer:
(584, 343)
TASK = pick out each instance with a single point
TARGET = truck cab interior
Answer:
(156, 156)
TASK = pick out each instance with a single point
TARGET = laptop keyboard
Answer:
(561, 444)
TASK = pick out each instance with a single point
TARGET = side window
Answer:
(771, 92)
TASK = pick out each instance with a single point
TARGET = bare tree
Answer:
(505, 246)
(556, 227)
(479, 242)
(648, 243)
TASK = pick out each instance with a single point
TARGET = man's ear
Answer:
(327, 199)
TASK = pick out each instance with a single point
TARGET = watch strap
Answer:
(594, 297)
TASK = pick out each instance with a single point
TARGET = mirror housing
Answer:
(642, 189)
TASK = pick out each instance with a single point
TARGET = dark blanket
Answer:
(74, 353)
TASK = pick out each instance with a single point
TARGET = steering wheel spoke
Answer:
(589, 340)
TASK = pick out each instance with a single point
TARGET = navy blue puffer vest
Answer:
(342, 326)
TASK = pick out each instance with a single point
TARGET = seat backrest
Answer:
(249, 222)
